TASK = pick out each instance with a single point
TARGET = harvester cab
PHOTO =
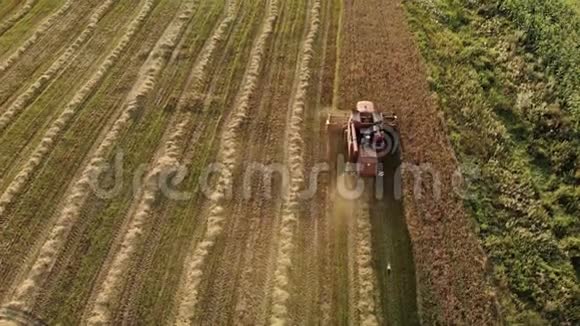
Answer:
(368, 138)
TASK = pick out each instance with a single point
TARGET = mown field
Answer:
(157, 157)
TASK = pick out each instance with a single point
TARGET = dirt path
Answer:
(381, 63)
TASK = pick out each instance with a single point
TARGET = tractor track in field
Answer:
(188, 294)
(352, 275)
(59, 65)
(74, 201)
(12, 20)
(61, 123)
(361, 276)
(240, 263)
(180, 139)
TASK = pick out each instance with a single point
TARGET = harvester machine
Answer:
(365, 138)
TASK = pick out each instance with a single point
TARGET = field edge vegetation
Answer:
(506, 75)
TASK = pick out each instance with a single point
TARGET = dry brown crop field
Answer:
(154, 156)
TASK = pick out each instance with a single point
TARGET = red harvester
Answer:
(369, 137)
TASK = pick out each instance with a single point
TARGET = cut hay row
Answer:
(36, 89)
(323, 226)
(295, 160)
(27, 290)
(366, 279)
(246, 257)
(189, 288)
(159, 268)
(41, 30)
(60, 124)
(8, 23)
(350, 263)
(167, 162)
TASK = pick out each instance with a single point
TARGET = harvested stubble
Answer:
(60, 124)
(27, 290)
(295, 158)
(41, 30)
(109, 290)
(44, 80)
(188, 294)
(366, 279)
(7, 24)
